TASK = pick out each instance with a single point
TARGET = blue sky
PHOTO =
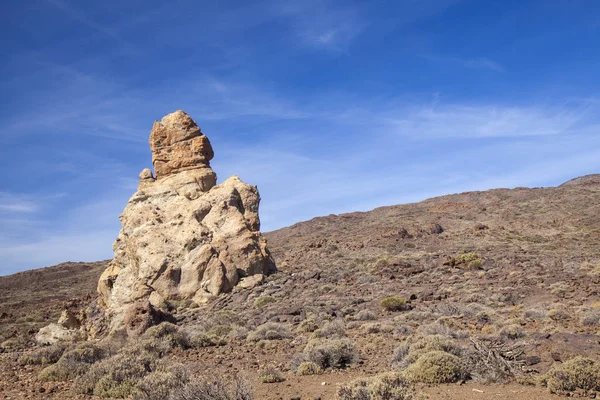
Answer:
(328, 106)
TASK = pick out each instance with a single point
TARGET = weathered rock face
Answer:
(183, 236)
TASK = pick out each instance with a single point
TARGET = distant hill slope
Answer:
(525, 238)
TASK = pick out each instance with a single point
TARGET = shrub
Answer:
(158, 384)
(436, 367)
(44, 355)
(576, 374)
(366, 315)
(270, 375)
(205, 389)
(170, 333)
(263, 301)
(429, 344)
(309, 368)
(335, 328)
(390, 386)
(203, 339)
(72, 363)
(393, 303)
(270, 331)
(308, 325)
(591, 318)
(331, 353)
(118, 375)
(512, 331)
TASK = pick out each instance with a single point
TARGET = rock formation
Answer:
(183, 237)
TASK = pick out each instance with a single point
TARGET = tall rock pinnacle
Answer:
(183, 237)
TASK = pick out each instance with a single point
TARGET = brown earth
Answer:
(518, 266)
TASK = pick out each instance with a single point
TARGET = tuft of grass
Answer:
(577, 374)
(393, 303)
(436, 367)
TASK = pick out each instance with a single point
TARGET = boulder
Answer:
(54, 333)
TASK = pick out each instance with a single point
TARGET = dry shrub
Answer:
(577, 374)
(270, 375)
(169, 332)
(270, 331)
(366, 315)
(331, 353)
(330, 329)
(118, 375)
(158, 384)
(390, 386)
(44, 355)
(205, 389)
(436, 367)
(493, 361)
(72, 363)
(429, 344)
(263, 301)
(512, 331)
(203, 339)
(591, 318)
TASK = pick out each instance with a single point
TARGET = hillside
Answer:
(520, 267)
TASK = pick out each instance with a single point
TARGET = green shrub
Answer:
(331, 353)
(390, 386)
(393, 303)
(576, 374)
(436, 367)
(263, 301)
(309, 368)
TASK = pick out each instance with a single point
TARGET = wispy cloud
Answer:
(82, 18)
(17, 203)
(326, 25)
(472, 63)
